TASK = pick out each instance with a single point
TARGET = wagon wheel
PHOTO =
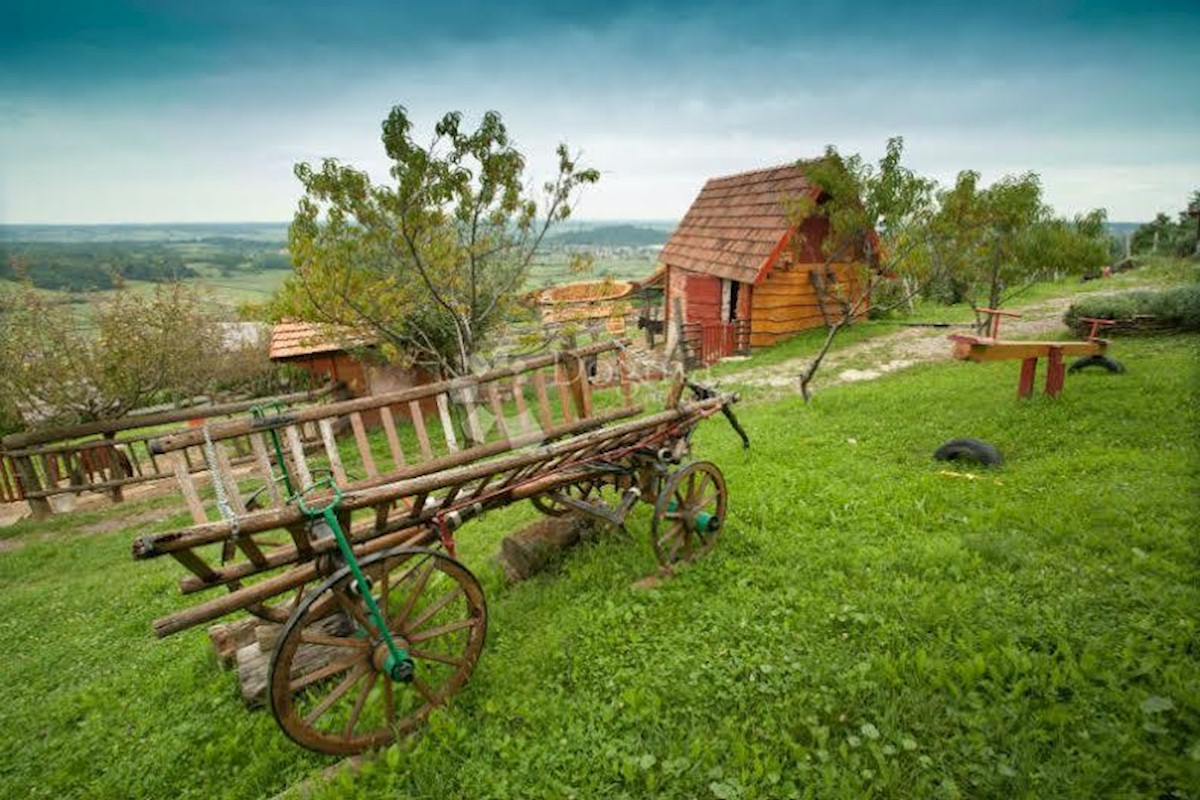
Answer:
(546, 504)
(329, 689)
(689, 513)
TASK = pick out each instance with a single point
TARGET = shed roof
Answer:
(736, 223)
(292, 339)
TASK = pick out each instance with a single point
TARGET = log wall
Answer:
(786, 301)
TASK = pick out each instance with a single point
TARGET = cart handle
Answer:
(702, 392)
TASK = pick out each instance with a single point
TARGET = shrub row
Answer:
(1175, 309)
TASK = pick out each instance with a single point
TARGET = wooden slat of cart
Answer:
(389, 430)
(518, 389)
(543, 398)
(562, 381)
(263, 459)
(364, 445)
(497, 409)
(187, 488)
(443, 406)
(296, 446)
(418, 421)
(332, 452)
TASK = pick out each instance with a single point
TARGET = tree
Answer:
(877, 217)
(1167, 237)
(136, 349)
(995, 242)
(433, 261)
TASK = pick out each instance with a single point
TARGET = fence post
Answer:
(31, 483)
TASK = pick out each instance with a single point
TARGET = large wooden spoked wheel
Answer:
(689, 513)
(329, 689)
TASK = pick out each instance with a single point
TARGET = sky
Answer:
(182, 111)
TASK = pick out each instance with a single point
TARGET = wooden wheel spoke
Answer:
(389, 703)
(428, 655)
(355, 610)
(311, 637)
(336, 694)
(426, 692)
(422, 579)
(318, 675)
(431, 633)
(435, 607)
(359, 702)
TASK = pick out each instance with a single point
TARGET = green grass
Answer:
(868, 626)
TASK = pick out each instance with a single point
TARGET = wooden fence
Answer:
(108, 455)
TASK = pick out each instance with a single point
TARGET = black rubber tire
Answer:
(1110, 364)
(975, 450)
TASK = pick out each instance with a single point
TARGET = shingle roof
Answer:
(293, 339)
(736, 223)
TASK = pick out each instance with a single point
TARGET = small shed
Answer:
(742, 272)
(326, 353)
(319, 352)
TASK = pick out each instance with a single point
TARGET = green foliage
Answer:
(992, 243)
(876, 218)
(432, 262)
(868, 626)
(91, 266)
(139, 349)
(1177, 308)
(1169, 237)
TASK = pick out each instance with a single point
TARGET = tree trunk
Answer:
(529, 551)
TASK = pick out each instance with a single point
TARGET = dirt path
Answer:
(906, 347)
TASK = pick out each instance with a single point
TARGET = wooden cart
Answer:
(380, 623)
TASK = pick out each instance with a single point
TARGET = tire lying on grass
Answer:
(1110, 364)
(975, 450)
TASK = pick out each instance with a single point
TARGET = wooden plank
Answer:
(263, 459)
(623, 376)
(225, 475)
(248, 546)
(195, 565)
(188, 488)
(524, 421)
(497, 409)
(539, 385)
(298, 460)
(332, 453)
(581, 386)
(470, 394)
(418, 420)
(382, 511)
(978, 349)
(389, 430)
(562, 380)
(364, 444)
(443, 406)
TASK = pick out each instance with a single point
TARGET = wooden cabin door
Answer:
(709, 333)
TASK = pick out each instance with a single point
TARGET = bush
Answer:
(1176, 309)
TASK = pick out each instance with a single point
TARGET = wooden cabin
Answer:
(328, 354)
(742, 272)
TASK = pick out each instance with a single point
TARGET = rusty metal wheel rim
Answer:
(348, 704)
(694, 491)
